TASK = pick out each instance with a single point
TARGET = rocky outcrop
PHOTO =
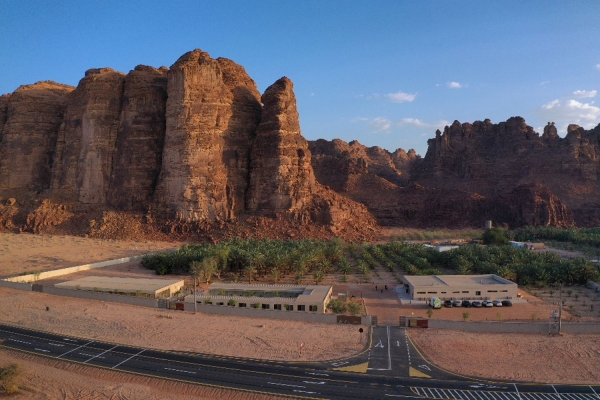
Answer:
(212, 112)
(86, 144)
(140, 139)
(493, 159)
(282, 180)
(281, 177)
(29, 122)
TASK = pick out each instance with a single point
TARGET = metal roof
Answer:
(456, 280)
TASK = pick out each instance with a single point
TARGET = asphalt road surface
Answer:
(391, 367)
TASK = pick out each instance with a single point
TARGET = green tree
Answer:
(336, 306)
(354, 308)
(466, 316)
(496, 236)
(430, 313)
(318, 276)
(250, 271)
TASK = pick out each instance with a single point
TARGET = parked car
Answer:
(506, 303)
(497, 303)
(476, 303)
(457, 303)
(466, 303)
(488, 303)
(448, 303)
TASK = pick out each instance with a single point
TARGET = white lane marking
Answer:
(594, 392)
(517, 390)
(337, 364)
(284, 384)
(423, 366)
(315, 383)
(180, 370)
(128, 359)
(56, 344)
(70, 340)
(88, 355)
(314, 373)
(389, 354)
(20, 341)
(379, 344)
(304, 391)
(76, 348)
(556, 391)
(100, 354)
(397, 343)
(401, 395)
(45, 351)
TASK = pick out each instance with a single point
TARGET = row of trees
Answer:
(277, 259)
(587, 236)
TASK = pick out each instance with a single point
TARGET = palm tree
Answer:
(250, 271)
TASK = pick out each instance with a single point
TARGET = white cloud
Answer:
(570, 111)
(401, 97)
(380, 124)
(383, 124)
(551, 105)
(598, 66)
(544, 83)
(454, 85)
(583, 94)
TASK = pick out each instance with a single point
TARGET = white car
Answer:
(488, 303)
(497, 303)
(457, 303)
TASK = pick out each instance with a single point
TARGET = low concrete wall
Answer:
(70, 270)
(15, 285)
(270, 314)
(115, 298)
(513, 327)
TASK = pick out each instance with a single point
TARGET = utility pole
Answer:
(195, 295)
(560, 308)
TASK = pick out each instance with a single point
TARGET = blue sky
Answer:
(386, 73)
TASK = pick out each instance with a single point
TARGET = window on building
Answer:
(276, 306)
(420, 292)
(465, 291)
(243, 305)
(312, 308)
(504, 291)
(458, 291)
(265, 306)
(492, 291)
(431, 292)
(220, 304)
(301, 308)
(478, 293)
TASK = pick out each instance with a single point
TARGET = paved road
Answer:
(387, 373)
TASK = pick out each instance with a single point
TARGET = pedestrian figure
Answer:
(375, 287)
(385, 287)
(381, 290)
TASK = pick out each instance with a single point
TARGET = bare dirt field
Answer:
(513, 355)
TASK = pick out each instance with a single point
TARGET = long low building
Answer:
(309, 298)
(459, 287)
(143, 287)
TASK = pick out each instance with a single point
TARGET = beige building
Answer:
(459, 287)
(142, 287)
(310, 298)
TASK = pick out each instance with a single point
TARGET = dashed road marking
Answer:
(76, 348)
(124, 361)
(459, 394)
(180, 370)
(42, 350)
(285, 384)
(99, 355)
(20, 341)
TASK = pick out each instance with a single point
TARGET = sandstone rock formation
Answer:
(86, 143)
(281, 177)
(32, 116)
(195, 150)
(212, 111)
(140, 139)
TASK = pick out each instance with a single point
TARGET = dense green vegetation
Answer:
(586, 236)
(438, 235)
(313, 260)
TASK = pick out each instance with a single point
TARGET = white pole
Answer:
(195, 295)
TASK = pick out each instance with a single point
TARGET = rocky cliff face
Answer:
(29, 122)
(493, 159)
(86, 142)
(140, 139)
(195, 150)
(281, 177)
(212, 112)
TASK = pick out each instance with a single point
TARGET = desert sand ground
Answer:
(246, 337)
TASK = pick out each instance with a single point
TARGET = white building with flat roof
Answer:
(142, 287)
(310, 298)
(459, 287)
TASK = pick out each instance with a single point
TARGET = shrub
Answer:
(231, 303)
(336, 306)
(496, 236)
(354, 308)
